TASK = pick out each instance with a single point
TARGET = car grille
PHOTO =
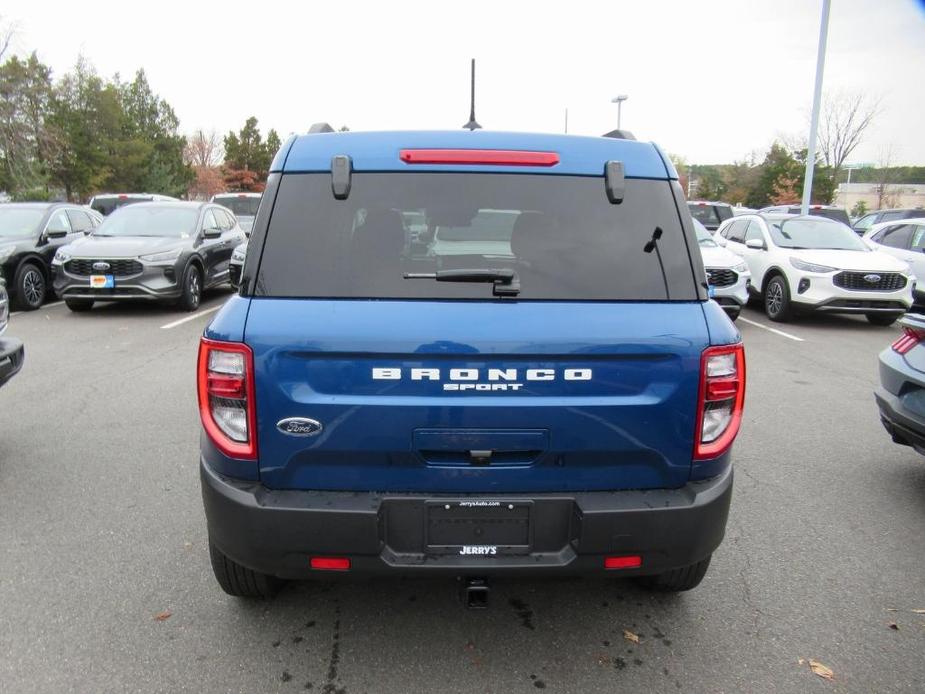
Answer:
(124, 267)
(722, 278)
(885, 282)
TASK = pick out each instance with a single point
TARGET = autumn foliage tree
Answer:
(248, 157)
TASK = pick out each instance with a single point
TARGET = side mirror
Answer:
(55, 233)
(211, 233)
(757, 244)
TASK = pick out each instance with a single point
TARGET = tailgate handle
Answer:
(480, 457)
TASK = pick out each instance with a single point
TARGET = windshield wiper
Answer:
(505, 280)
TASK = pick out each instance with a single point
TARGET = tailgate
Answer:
(467, 396)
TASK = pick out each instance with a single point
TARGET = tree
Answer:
(247, 153)
(683, 169)
(842, 122)
(203, 149)
(778, 164)
(273, 145)
(859, 209)
(785, 190)
(26, 143)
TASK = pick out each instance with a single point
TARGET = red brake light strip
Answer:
(492, 157)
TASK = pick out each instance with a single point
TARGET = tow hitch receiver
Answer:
(474, 593)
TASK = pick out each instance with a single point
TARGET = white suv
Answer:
(816, 264)
(904, 240)
(728, 276)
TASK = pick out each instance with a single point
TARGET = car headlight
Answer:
(162, 256)
(810, 267)
(6, 252)
(741, 267)
(61, 257)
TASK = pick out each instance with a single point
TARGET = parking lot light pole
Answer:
(618, 100)
(817, 98)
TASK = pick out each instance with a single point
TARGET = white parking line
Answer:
(772, 330)
(192, 317)
(51, 305)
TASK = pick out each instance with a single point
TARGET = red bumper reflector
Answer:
(631, 561)
(330, 563)
(493, 157)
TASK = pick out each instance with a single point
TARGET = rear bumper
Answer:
(277, 531)
(12, 355)
(904, 427)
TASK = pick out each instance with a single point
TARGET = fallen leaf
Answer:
(801, 661)
(894, 626)
(163, 616)
(821, 670)
(630, 636)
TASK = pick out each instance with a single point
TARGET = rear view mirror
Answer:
(757, 244)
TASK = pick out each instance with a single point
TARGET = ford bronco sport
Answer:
(533, 382)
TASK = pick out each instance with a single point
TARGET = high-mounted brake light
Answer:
(492, 157)
(225, 379)
(721, 399)
(909, 339)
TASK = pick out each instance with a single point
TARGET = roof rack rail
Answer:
(620, 135)
(320, 128)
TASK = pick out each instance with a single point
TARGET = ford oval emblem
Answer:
(873, 279)
(101, 267)
(299, 426)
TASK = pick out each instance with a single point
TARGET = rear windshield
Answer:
(105, 206)
(710, 215)
(559, 234)
(242, 207)
(837, 214)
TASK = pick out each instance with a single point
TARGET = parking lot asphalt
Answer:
(105, 582)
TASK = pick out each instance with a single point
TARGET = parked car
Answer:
(236, 265)
(568, 407)
(728, 275)
(802, 264)
(11, 349)
(827, 211)
(738, 211)
(30, 235)
(901, 395)
(906, 241)
(107, 203)
(244, 206)
(161, 251)
(710, 214)
(864, 224)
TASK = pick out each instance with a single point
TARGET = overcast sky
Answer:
(710, 80)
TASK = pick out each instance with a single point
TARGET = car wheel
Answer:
(882, 318)
(240, 581)
(79, 305)
(676, 580)
(777, 300)
(30, 287)
(192, 288)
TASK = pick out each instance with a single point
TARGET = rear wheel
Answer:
(882, 318)
(676, 580)
(30, 287)
(777, 300)
(79, 305)
(192, 288)
(240, 581)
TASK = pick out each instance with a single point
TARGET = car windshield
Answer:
(19, 221)
(811, 233)
(136, 220)
(703, 236)
(241, 206)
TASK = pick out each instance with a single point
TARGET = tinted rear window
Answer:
(558, 233)
(705, 214)
(105, 206)
(242, 207)
(837, 214)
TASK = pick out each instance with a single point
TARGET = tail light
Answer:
(495, 157)
(722, 397)
(225, 380)
(909, 339)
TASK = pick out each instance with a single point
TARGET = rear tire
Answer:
(881, 318)
(31, 287)
(79, 305)
(240, 581)
(777, 305)
(676, 580)
(191, 288)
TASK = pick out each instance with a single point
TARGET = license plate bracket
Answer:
(478, 528)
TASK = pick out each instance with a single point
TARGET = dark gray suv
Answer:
(161, 251)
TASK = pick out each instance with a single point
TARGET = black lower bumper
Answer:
(12, 355)
(277, 531)
(904, 427)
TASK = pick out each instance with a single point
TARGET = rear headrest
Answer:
(533, 233)
(382, 235)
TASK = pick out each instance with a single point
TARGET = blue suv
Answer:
(469, 354)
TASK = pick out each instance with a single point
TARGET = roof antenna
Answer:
(472, 124)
